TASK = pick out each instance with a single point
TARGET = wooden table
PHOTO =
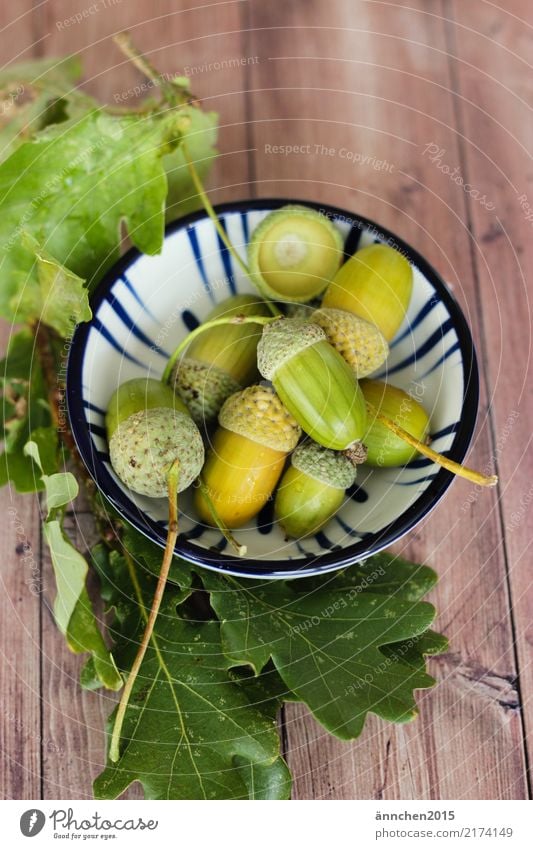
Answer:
(419, 116)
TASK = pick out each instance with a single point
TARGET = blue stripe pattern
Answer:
(133, 327)
(226, 260)
(420, 352)
(106, 333)
(193, 239)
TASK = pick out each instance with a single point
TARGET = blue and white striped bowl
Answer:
(146, 305)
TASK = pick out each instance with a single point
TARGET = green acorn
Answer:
(148, 429)
(315, 384)
(359, 342)
(294, 253)
(312, 489)
(220, 361)
(385, 448)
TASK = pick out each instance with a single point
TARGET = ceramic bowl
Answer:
(146, 305)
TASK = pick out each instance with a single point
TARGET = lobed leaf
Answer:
(332, 646)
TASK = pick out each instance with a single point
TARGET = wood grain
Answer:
(22, 735)
(362, 86)
(495, 113)
(379, 82)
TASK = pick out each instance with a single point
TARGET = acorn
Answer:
(385, 448)
(375, 284)
(246, 457)
(312, 489)
(220, 361)
(359, 342)
(148, 428)
(314, 382)
(294, 253)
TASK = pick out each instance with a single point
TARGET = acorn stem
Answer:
(456, 468)
(208, 206)
(215, 322)
(172, 534)
(226, 533)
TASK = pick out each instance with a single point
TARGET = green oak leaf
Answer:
(64, 197)
(382, 573)
(25, 415)
(55, 295)
(73, 611)
(190, 732)
(330, 645)
(36, 94)
(195, 728)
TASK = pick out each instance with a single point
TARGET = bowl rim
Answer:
(317, 563)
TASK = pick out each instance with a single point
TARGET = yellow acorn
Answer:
(220, 361)
(375, 284)
(246, 457)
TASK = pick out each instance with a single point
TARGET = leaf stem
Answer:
(440, 459)
(226, 533)
(215, 322)
(208, 206)
(124, 42)
(172, 534)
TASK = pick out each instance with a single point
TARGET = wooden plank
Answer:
(207, 41)
(21, 733)
(373, 79)
(494, 112)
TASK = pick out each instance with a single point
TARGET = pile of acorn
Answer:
(312, 357)
(311, 419)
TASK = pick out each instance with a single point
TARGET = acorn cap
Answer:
(202, 387)
(360, 342)
(258, 414)
(144, 446)
(282, 340)
(330, 467)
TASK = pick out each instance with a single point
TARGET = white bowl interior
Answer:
(148, 311)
